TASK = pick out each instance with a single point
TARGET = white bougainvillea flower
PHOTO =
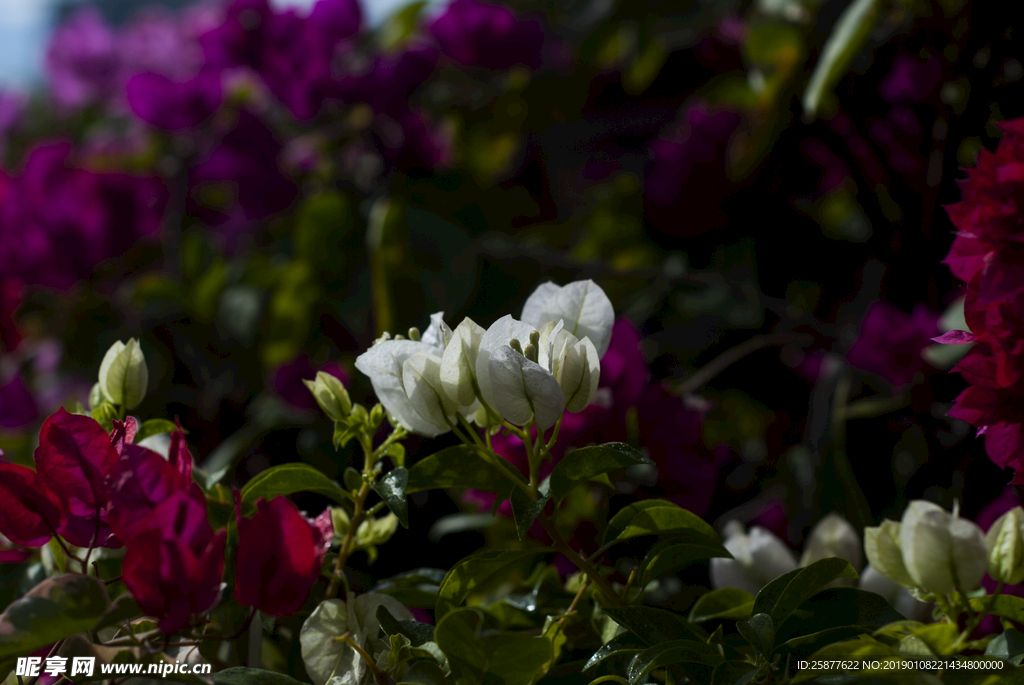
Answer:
(458, 363)
(940, 548)
(384, 364)
(583, 307)
(758, 558)
(515, 386)
(882, 547)
(574, 363)
(832, 536)
(421, 375)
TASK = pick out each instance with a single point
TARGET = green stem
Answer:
(396, 435)
(554, 437)
(358, 516)
(592, 573)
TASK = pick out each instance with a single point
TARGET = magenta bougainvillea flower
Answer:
(174, 563)
(58, 222)
(986, 253)
(82, 62)
(479, 34)
(279, 556)
(76, 458)
(891, 342)
(30, 512)
(174, 105)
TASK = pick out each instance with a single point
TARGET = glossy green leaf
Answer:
(239, 675)
(460, 466)
(733, 673)
(668, 555)
(287, 479)
(654, 625)
(151, 427)
(726, 602)
(758, 630)
(655, 517)
(418, 587)
(807, 582)
(1008, 645)
(54, 609)
(418, 633)
(766, 598)
(513, 658)
(837, 607)
(525, 511)
(847, 38)
(585, 463)
(476, 571)
(627, 643)
(423, 672)
(391, 489)
(674, 652)
(353, 479)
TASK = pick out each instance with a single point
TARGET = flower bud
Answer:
(514, 344)
(535, 339)
(414, 334)
(1005, 544)
(833, 536)
(531, 353)
(941, 551)
(123, 374)
(882, 547)
(331, 395)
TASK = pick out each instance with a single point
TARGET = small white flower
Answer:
(421, 376)
(940, 549)
(458, 363)
(1005, 544)
(832, 536)
(758, 558)
(384, 364)
(582, 305)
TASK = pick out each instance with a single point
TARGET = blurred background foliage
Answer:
(747, 181)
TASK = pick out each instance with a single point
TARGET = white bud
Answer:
(1005, 545)
(330, 394)
(124, 376)
(833, 536)
(941, 551)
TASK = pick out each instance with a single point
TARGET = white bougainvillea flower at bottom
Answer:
(940, 548)
(384, 365)
(582, 305)
(523, 389)
(458, 363)
(421, 375)
(330, 662)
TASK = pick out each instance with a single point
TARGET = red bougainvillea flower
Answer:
(174, 563)
(987, 253)
(279, 556)
(891, 342)
(30, 512)
(75, 457)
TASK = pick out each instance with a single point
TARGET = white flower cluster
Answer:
(759, 557)
(537, 367)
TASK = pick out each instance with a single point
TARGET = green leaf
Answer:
(423, 672)
(418, 633)
(807, 582)
(417, 588)
(847, 38)
(525, 511)
(654, 626)
(1007, 606)
(60, 559)
(655, 517)
(1008, 645)
(287, 479)
(391, 489)
(401, 25)
(668, 555)
(514, 658)
(732, 673)
(758, 630)
(239, 675)
(476, 571)
(460, 466)
(834, 608)
(766, 598)
(151, 427)
(121, 609)
(53, 610)
(675, 652)
(726, 602)
(627, 643)
(773, 43)
(585, 463)
(804, 645)
(353, 479)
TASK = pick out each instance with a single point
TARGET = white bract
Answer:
(832, 536)
(930, 549)
(758, 558)
(123, 375)
(898, 597)
(534, 369)
(385, 365)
